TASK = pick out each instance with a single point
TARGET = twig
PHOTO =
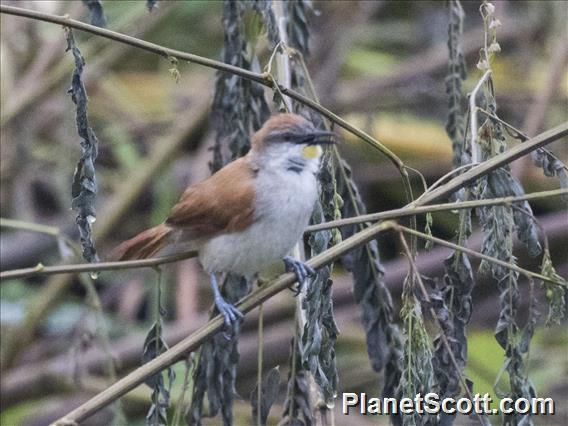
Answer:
(518, 134)
(448, 175)
(443, 336)
(493, 163)
(95, 267)
(406, 211)
(475, 154)
(474, 253)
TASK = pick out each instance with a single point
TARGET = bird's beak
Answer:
(320, 137)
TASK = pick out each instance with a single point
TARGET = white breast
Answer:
(283, 206)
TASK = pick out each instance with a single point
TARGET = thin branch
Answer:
(517, 133)
(474, 253)
(264, 78)
(40, 269)
(443, 336)
(412, 211)
(132, 41)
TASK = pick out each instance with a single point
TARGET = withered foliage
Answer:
(84, 185)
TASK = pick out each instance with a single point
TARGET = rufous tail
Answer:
(143, 245)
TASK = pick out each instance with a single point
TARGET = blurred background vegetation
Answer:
(379, 64)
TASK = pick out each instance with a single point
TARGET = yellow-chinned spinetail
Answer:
(250, 213)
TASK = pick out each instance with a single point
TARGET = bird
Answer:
(249, 214)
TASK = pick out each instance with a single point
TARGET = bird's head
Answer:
(291, 139)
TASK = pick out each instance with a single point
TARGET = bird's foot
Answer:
(230, 313)
(301, 270)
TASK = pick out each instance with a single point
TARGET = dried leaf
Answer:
(84, 184)
(428, 231)
(551, 166)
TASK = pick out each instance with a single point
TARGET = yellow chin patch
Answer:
(311, 151)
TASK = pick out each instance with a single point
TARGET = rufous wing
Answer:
(222, 203)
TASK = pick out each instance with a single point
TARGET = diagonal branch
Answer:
(494, 163)
(477, 254)
(215, 325)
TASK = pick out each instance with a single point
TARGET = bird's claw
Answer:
(301, 270)
(230, 314)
